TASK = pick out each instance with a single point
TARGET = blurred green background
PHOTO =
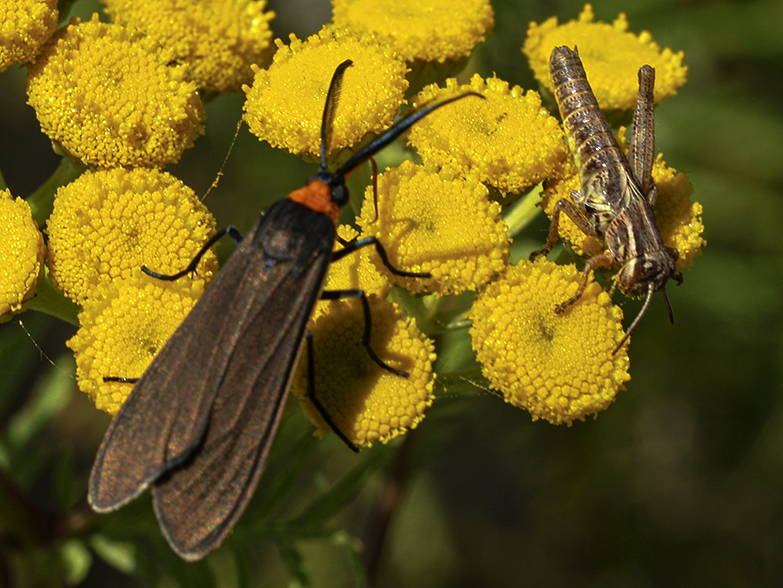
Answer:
(679, 483)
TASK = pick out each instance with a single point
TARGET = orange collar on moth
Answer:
(317, 196)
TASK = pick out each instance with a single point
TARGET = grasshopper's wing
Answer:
(641, 148)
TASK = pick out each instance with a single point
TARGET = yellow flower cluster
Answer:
(105, 226)
(611, 55)
(124, 95)
(285, 105)
(559, 367)
(218, 39)
(122, 328)
(107, 96)
(108, 224)
(25, 25)
(21, 255)
(436, 30)
(508, 141)
(366, 402)
(439, 223)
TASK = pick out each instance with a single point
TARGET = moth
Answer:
(198, 425)
(616, 195)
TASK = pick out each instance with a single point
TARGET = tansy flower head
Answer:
(355, 271)
(25, 25)
(107, 224)
(611, 56)
(218, 39)
(285, 105)
(21, 255)
(678, 219)
(106, 95)
(440, 31)
(439, 223)
(366, 402)
(508, 141)
(123, 328)
(558, 367)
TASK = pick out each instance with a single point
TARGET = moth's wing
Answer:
(166, 413)
(198, 502)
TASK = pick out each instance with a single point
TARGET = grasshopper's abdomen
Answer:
(600, 161)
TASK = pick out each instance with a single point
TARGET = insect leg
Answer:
(231, 231)
(592, 263)
(340, 294)
(315, 402)
(354, 245)
(574, 214)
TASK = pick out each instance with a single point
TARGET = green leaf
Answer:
(118, 554)
(76, 559)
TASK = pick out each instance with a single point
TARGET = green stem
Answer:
(42, 200)
(524, 211)
(51, 301)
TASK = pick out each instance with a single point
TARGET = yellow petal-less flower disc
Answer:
(122, 329)
(106, 95)
(366, 402)
(218, 39)
(286, 103)
(439, 223)
(611, 56)
(21, 255)
(436, 30)
(508, 141)
(25, 25)
(107, 224)
(354, 271)
(678, 218)
(558, 367)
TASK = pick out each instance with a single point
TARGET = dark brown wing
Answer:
(200, 421)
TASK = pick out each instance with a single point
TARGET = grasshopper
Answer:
(617, 193)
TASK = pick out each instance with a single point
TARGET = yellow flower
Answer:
(508, 141)
(439, 223)
(558, 367)
(21, 255)
(107, 224)
(123, 328)
(436, 30)
(366, 402)
(25, 25)
(285, 105)
(218, 39)
(611, 56)
(106, 95)
(678, 219)
(354, 271)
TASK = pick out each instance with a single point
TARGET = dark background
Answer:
(679, 483)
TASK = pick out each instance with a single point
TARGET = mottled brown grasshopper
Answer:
(617, 193)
